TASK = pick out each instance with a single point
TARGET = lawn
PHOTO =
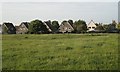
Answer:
(60, 52)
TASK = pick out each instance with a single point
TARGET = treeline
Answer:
(37, 26)
(79, 26)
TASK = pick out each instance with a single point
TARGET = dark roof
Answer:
(65, 24)
(25, 23)
(9, 25)
(49, 24)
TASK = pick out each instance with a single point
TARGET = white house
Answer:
(91, 26)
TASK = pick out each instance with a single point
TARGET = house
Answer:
(65, 27)
(17, 29)
(8, 28)
(48, 26)
(91, 26)
(22, 28)
(0, 29)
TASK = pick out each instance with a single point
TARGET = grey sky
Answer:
(17, 12)
(59, 0)
(119, 11)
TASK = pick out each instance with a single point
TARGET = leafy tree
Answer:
(37, 26)
(55, 25)
(105, 26)
(114, 23)
(96, 24)
(99, 27)
(110, 28)
(118, 26)
(80, 26)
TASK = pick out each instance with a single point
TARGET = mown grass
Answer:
(60, 52)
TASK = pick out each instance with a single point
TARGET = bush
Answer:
(68, 48)
(26, 37)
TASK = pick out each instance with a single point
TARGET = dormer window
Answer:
(93, 27)
(89, 27)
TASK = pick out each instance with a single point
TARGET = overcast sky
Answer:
(17, 12)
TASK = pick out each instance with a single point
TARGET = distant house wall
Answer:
(22, 29)
(91, 26)
(65, 27)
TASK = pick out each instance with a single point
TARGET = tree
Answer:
(80, 26)
(105, 26)
(114, 23)
(110, 28)
(118, 26)
(99, 27)
(37, 26)
(55, 25)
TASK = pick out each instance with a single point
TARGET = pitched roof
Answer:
(9, 25)
(25, 23)
(91, 22)
(49, 25)
(66, 24)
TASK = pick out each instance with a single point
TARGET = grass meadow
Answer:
(60, 52)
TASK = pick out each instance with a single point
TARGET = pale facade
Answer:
(91, 26)
(65, 27)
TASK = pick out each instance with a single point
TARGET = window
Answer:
(65, 28)
(22, 25)
(89, 27)
(20, 28)
(23, 28)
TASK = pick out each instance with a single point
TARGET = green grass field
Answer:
(60, 52)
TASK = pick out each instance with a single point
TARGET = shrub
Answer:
(86, 46)
(68, 48)
(26, 37)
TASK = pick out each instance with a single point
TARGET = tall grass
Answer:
(60, 52)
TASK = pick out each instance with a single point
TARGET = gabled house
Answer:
(8, 28)
(91, 26)
(22, 28)
(65, 27)
(48, 26)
